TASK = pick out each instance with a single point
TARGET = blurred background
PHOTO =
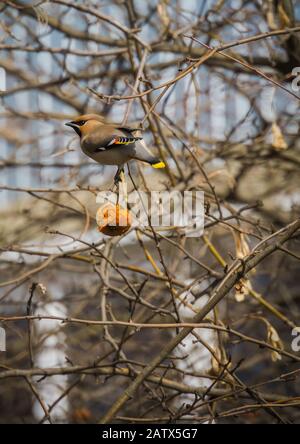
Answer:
(228, 127)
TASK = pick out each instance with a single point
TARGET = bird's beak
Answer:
(74, 126)
(71, 124)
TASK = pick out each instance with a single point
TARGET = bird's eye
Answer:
(81, 122)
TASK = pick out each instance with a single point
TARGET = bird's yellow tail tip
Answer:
(159, 165)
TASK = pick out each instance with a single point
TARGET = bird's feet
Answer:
(117, 178)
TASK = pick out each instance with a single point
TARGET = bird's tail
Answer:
(155, 162)
(143, 154)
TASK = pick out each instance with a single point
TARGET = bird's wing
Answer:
(121, 140)
(114, 140)
(128, 129)
(103, 139)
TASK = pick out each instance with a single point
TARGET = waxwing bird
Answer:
(110, 144)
